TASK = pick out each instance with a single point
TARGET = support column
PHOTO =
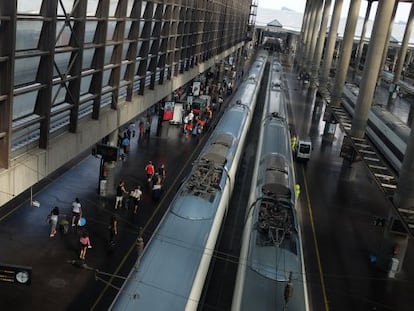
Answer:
(309, 33)
(330, 46)
(113, 138)
(338, 46)
(304, 33)
(109, 167)
(321, 40)
(387, 42)
(346, 50)
(401, 56)
(373, 62)
(361, 44)
(315, 34)
(410, 116)
(409, 58)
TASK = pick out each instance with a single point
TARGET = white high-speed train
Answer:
(171, 272)
(271, 272)
(388, 133)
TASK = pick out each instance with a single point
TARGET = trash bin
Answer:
(103, 187)
(393, 267)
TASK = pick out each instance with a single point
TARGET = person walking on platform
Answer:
(125, 143)
(157, 189)
(147, 129)
(136, 196)
(85, 243)
(162, 173)
(220, 102)
(76, 212)
(141, 129)
(297, 191)
(293, 143)
(120, 191)
(53, 220)
(150, 170)
(113, 230)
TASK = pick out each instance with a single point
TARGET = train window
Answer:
(276, 85)
(252, 78)
(304, 148)
(224, 139)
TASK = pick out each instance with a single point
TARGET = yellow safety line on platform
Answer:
(315, 240)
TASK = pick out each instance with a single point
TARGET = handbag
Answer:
(81, 221)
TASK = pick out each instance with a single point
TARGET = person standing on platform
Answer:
(125, 143)
(188, 127)
(162, 173)
(147, 129)
(53, 219)
(76, 212)
(141, 129)
(150, 170)
(136, 196)
(293, 143)
(85, 243)
(220, 102)
(190, 116)
(120, 191)
(113, 230)
(157, 189)
(297, 191)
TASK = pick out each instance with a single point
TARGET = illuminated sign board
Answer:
(15, 274)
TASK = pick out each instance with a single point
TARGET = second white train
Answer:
(271, 272)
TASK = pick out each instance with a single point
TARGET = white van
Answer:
(304, 149)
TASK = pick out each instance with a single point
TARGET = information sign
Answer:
(15, 274)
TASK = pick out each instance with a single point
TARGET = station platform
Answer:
(59, 279)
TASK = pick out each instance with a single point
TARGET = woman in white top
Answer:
(136, 195)
(53, 218)
(76, 212)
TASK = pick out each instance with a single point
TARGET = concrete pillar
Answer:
(330, 46)
(113, 138)
(361, 44)
(398, 250)
(338, 45)
(304, 33)
(394, 60)
(311, 24)
(404, 47)
(410, 116)
(110, 178)
(315, 34)
(409, 58)
(110, 166)
(387, 42)
(372, 64)
(346, 50)
(321, 40)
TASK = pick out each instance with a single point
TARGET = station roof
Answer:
(287, 20)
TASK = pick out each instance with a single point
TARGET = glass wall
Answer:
(72, 58)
